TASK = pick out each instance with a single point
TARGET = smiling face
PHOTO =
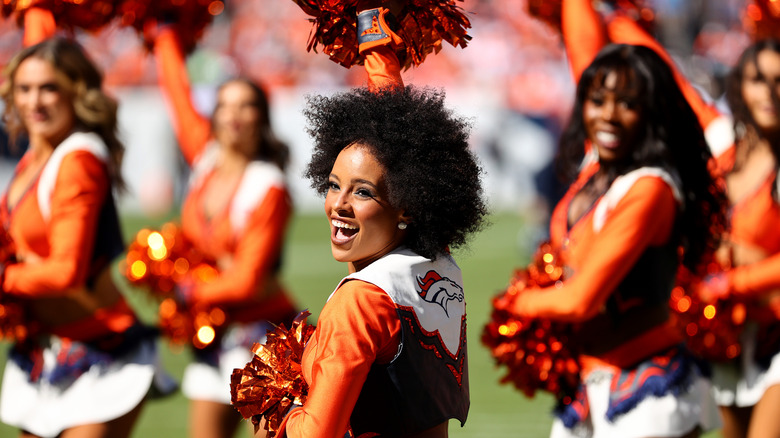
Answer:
(363, 225)
(612, 117)
(237, 117)
(761, 90)
(45, 108)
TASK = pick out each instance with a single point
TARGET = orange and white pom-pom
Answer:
(538, 353)
(272, 381)
(423, 26)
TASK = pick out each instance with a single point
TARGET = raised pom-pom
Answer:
(423, 25)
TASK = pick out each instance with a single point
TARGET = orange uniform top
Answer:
(256, 247)
(754, 223)
(599, 259)
(63, 243)
(358, 326)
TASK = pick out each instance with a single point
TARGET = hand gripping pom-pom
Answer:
(538, 353)
(422, 26)
(272, 382)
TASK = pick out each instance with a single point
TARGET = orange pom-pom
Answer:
(423, 25)
(190, 17)
(762, 19)
(89, 15)
(272, 381)
(538, 353)
(711, 330)
(158, 261)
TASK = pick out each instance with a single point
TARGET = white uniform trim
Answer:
(78, 141)
(623, 184)
(719, 134)
(258, 178)
(399, 274)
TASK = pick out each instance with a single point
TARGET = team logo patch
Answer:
(439, 290)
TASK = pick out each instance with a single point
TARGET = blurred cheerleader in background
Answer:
(641, 193)
(236, 213)
(88, 363)
(748, 390)
(745, 146)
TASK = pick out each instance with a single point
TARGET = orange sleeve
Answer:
(39, 25)
(357, 327)
(79, 193)
(192, 129)
(583, 34)
(258, 248)
(644, 217)
(383, 68)
(755, 279)
(624, 30)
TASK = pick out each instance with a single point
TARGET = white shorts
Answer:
(667, 416)
(744, 382)
(205, 381)
(104, 392)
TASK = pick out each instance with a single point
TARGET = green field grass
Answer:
(310, 273)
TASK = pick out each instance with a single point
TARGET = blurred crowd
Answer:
(513, 74)
(512, 51)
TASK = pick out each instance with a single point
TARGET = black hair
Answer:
(743, 119)
(670, 137)
(429, 169)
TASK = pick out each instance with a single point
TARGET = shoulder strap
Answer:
(78, 141)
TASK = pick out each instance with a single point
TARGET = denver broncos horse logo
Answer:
(439, 290)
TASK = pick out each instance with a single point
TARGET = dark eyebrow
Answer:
(365, 181)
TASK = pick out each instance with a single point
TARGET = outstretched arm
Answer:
(643, 218)
(583, 34)
(192, 129)
(38, 25)
(622, 29)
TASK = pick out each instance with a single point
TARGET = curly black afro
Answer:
(429, 170)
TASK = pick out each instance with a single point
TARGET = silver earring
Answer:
(402, 225)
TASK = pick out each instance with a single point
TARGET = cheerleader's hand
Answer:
(714, 287)
(375, 27)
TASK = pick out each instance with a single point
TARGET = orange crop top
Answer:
(601, 256)
(255, 245)
(64, 243)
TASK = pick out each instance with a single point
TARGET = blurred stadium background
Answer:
(512, 81)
